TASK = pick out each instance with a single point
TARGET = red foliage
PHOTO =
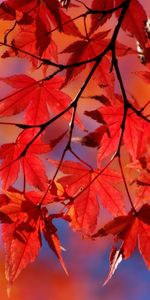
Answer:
(120, 182)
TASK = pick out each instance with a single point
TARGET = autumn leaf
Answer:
(131, 228)
(6, 12)
(13, 157)
(99, 19)
(22, 236)
(53, 241)
(18, 253)
(19, 237)
(43, 95)
(115, 260)
(84, 186)
(89, 47)
(134, 21)
(111, 116)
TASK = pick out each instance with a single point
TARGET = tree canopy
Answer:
(82, 132)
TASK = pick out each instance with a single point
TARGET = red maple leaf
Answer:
(43, 94)
(39, 17)
(99, 19)
(89, 47)
(130, 228)
(22, 235)
(79, 183)
(135, 131)
(134, 21)
(14, 156)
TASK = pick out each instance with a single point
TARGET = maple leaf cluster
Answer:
(36, 32)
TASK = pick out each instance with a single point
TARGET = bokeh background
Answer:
(87, 261)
